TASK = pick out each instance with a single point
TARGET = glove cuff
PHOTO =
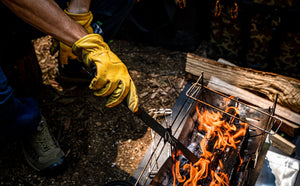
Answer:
(84, 19)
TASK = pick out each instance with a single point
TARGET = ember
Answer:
(221, 135)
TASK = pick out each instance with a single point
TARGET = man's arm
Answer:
(79, 6)
(112, 77)
(47, 16)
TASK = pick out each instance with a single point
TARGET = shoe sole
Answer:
(53, 166)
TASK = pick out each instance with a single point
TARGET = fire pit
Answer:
(225, 133)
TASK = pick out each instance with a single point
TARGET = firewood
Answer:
(266, 83)
(245, 95)
(282, 144)
(287, 127)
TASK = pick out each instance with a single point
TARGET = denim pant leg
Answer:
(5, 90)
(18, 116)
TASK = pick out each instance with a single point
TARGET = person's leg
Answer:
(20, 117)
(17, 115)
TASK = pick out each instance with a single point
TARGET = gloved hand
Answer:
(65, 52)
(112, 77)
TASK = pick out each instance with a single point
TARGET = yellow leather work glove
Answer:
(65, 52)
(112, 77)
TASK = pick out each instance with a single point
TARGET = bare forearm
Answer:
(46, 16)
(79, 6)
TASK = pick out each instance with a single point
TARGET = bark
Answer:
(266, 83)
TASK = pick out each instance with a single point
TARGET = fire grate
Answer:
(156, 166)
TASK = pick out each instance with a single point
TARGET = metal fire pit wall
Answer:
(156, 164)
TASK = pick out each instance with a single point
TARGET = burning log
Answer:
(264, 83)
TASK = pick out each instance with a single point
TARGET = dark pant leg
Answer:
(18, 116)
(111, 13)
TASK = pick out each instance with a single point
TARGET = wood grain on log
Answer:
(283, 144)
(265, 83)
(245, 95)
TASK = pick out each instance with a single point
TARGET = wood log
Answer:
(287, 127)
(245, 95)
(266, 83)
(282, 144)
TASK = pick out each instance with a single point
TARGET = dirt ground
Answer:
(101, 144)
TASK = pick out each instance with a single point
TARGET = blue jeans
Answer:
(20, 115)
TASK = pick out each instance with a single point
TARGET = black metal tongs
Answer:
(166, 134)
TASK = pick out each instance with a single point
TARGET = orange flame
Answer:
(224, 135)
(181, 3)
(175, 170)
(233, 10)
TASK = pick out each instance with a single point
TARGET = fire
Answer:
(181, 3)
(233, 10)
(223, 135)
